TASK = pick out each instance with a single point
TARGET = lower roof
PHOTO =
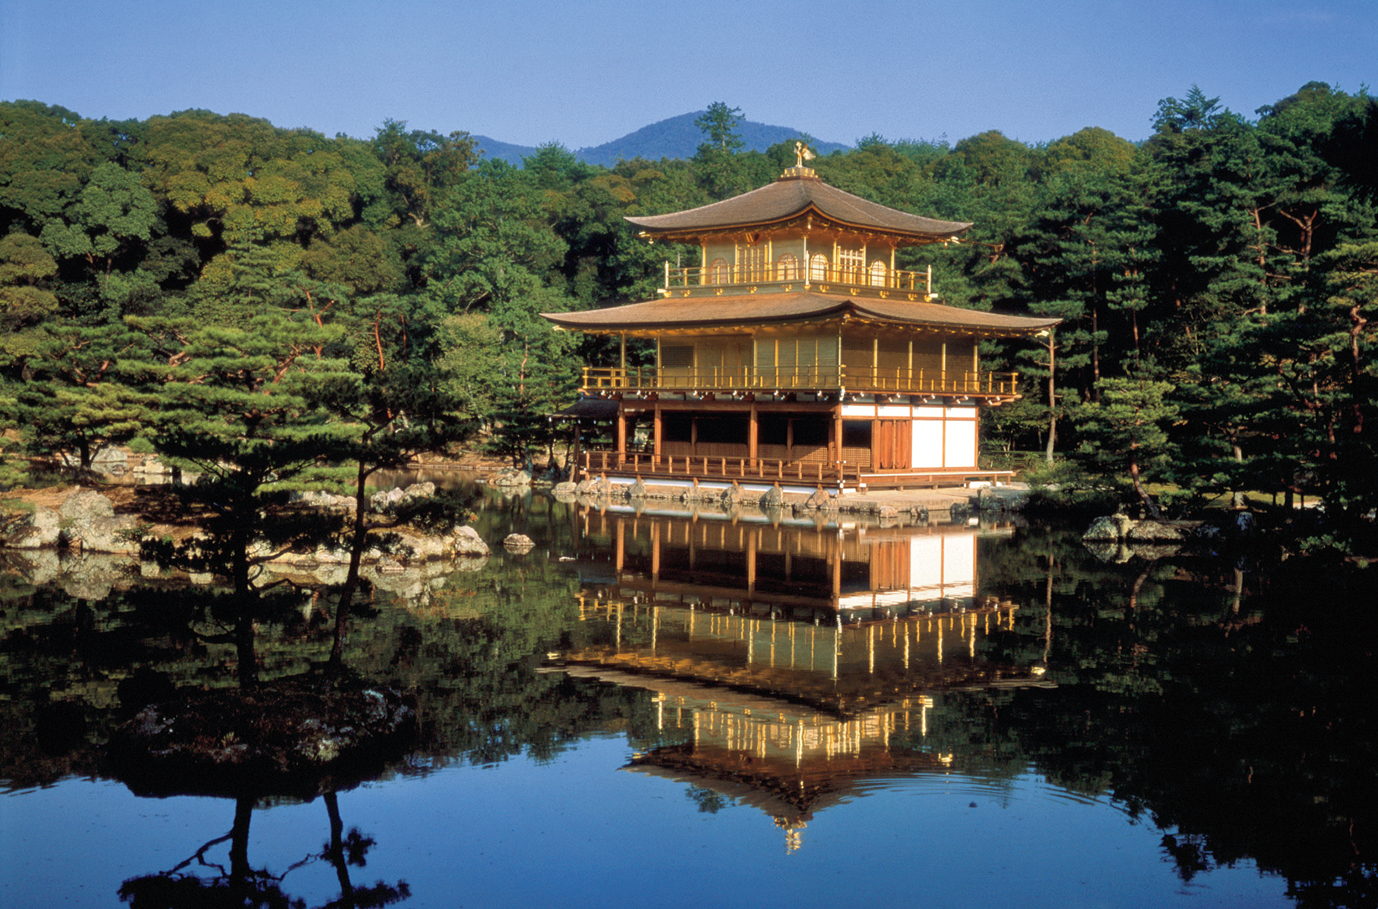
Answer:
(746, 311)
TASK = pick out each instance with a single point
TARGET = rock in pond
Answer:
(291, 737)
(517, 542)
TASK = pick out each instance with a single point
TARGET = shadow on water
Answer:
(204, 879)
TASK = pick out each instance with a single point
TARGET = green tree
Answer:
(1316, 381)
(236, 183)
(985, 180)
(492, 242)
(397, 410)
(113, 213)
(74, 403)
(358, 258)
(717, 159)
(26, 297)
(235, 404)
(469, 365)
(1124, 438)
(419, 167)
(46, 157)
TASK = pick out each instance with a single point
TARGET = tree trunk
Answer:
(1138, 486)
(357, 544)
(336, 851)
(1052, 400)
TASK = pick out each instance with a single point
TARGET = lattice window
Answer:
(675, 356)
(851, 263)
(719, 272)
(751, 262)
(818, 267)
(787, 267)
(878, 272)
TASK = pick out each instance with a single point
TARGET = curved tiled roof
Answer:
(751, 310)
(791, 196)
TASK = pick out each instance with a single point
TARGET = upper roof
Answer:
(795, 194)
(745, 311)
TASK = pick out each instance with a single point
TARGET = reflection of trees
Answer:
(1246, 731)
(1242, 727)
(203, 883)
(709, 802)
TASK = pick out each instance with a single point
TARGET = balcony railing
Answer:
(719, 468)
(851, 278)
(861, 380)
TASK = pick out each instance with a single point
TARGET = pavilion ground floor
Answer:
(848, 445)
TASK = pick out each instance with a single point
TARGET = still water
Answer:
(679, 709)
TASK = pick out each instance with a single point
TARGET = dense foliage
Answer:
(1217, 281)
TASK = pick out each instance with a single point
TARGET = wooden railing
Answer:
(757, 275)
(772, 470)
(720, 468)
(863, 380)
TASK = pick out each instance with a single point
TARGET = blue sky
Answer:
(532, 71)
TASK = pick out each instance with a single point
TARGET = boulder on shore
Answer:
(1159, 532)
(1111, 528)
(820, 500)
(40, 528)
(511, 477)
(85, 520)
(734, 496)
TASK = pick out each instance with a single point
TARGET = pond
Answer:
(675, 708)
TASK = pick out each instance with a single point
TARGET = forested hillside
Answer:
(1219, 282)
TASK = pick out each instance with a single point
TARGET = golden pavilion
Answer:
(796, 353)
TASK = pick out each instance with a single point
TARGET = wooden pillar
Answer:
(621, 544)
(751, 561)
(655, 432)
(621, 436)
(574, 458)
(753, 433)
(655, 552)
(837, 439)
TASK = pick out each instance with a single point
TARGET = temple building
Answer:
(796, 353)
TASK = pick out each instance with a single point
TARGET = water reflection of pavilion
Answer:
(788, 665)
(839, 619)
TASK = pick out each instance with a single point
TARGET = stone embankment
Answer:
(77, 538)
(921, 506)
(1119, 538)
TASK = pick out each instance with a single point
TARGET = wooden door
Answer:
(892, 445)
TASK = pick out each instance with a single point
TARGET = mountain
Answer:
(676, 137)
